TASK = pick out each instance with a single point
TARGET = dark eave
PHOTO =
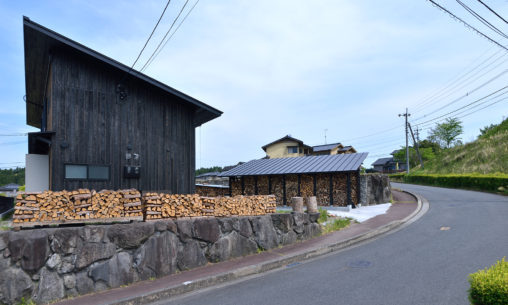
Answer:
(38, 43)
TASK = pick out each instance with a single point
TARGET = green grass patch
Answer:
(323, 215)
(336, 225)
(490, 285)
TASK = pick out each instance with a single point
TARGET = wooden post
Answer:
(269, 185)
(299, 182)
(255, 185)
(284, 200)
(315, 184)
(230, 188)
(243, 186)
(297, 204)
(331, 189)
(358, 187)
(348, 186)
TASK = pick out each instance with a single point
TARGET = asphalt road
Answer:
(427, 262)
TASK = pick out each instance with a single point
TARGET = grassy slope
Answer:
(487, 155)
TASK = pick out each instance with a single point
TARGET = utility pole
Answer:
(325, 134)
(416, 144)
(417, 131)
(406, 115)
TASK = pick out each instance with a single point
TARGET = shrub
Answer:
(489, 182)
(323, 215)
(490, 286)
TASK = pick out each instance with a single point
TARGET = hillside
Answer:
(487, 155)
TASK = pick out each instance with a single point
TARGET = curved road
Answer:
(427, 262)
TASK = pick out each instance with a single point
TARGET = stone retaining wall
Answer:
(54, 263)
(375, 189)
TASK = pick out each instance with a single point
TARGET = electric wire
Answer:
(468, 25)
(464, 110)
(476, 101)
(165, 35)
(481, 19)
(455, 79)
(151, 34)
(461, 83)
(462, 97)
(172, 34)
(492, 11)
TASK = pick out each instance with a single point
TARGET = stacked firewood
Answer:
(26, 209)
(131, 201)
(77, 205)
(153, 206)
(172, 205)
(106, 204)
(209, 204)
(81, 203)
(238, 205)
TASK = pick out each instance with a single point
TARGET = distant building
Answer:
(288, 146)
(10, 190)
(332, 149)
(389, 164)
(211, 178)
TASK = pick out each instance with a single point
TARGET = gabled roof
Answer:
(9, 187)
(299, 165)
(382, 161)
(209, 174)
(286, 138)
(325, 147)
(40, 41)
(346, 148)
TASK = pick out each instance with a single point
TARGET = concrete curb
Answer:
(167, 292)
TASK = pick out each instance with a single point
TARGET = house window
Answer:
(75, 171)
(98, 172)
(292, 149)
(86, 172)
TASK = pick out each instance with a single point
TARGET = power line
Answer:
(465, 95)
(468, 25)
(468, 109)
(463, 83)
(481, 19)
(165, 35)
(176, 29)
(149, 37)
(373, 134)
(476, 101)
(492, 11)
(455, 79)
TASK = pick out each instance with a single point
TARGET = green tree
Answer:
(486, 129)
(426, 152)
(447, 134)
(12, 175)
(203, 170)
(429, 144)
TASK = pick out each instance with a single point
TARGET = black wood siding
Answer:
(86, 113)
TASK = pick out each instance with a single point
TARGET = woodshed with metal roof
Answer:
(333, 179)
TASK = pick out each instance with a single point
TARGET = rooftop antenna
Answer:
(325, 134)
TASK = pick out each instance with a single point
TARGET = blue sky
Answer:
(281, 67)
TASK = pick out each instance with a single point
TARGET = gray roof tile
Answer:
(299, 165)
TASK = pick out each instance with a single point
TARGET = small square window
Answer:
(98, 172)
(75, 171)
(292, 149)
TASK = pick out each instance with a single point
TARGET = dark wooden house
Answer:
(103, 125)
